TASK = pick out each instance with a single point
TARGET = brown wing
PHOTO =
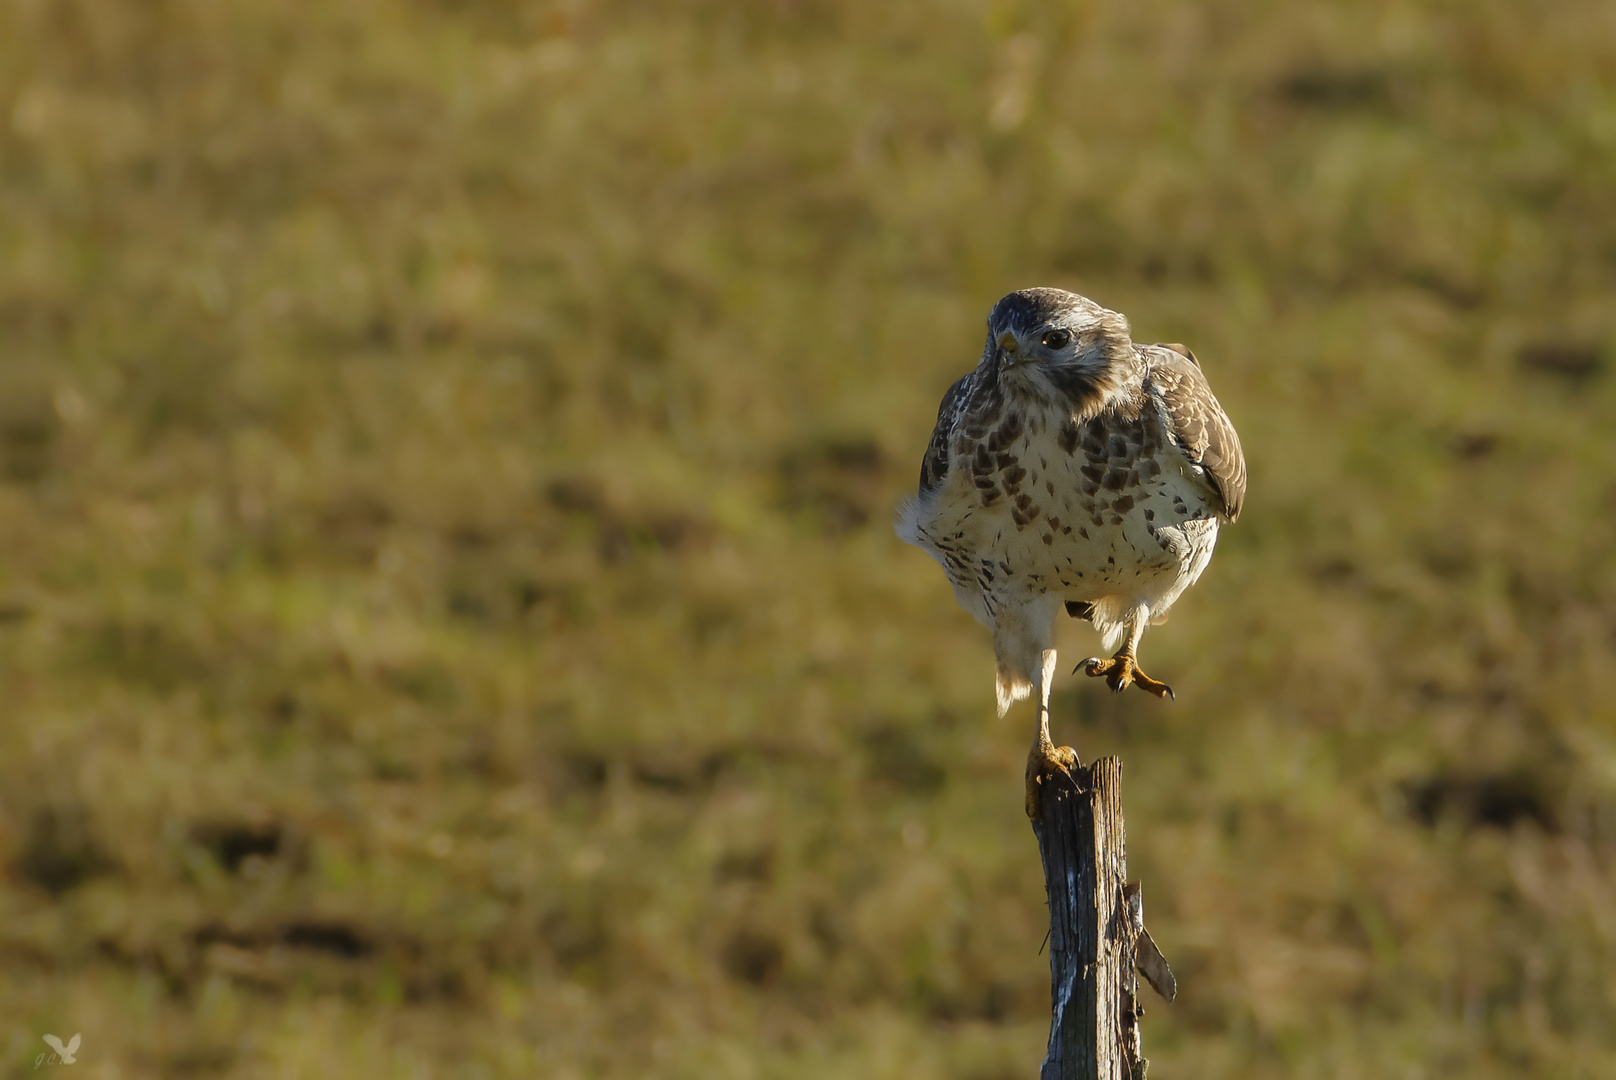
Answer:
(1182, 350)
(934, 466)
(1199, 425)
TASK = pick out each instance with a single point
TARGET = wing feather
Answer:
(934, 466)
(1198, 423)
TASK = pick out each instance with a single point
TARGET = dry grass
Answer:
(449, 623)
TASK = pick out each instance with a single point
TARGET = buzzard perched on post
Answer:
(1073, 469)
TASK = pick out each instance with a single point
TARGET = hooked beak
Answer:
(1007, 349)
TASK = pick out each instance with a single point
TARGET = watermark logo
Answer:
(60, 1055)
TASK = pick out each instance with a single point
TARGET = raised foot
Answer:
(1049, 764)
(1119, 671)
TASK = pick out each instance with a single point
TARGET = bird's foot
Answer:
(1119, 671)
(1049, 764)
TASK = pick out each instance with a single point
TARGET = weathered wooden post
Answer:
(1097, 936)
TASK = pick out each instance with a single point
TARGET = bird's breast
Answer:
(1045, 501)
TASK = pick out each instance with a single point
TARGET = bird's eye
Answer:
(1057, 339)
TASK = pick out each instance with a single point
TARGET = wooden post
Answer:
(1097, 936)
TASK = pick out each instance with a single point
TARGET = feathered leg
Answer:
(1046, 762)
(1123, 668)
(1024, 645)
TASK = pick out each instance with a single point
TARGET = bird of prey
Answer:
(64, 1054)
(1073, 469)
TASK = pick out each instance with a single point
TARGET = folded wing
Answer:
(1198, 423)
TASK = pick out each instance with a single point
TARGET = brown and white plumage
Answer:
(1073, 469)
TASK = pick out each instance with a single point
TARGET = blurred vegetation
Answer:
(450, 623)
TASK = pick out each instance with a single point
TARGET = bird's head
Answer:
(1056, 337)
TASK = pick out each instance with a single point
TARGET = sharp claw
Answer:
(1119, 671)
(1044, 765)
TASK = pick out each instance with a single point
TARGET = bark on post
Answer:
(1097, 937)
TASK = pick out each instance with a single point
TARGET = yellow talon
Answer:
(1119, 671)
(1045, 763)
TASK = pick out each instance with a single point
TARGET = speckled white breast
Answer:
(1104, 511)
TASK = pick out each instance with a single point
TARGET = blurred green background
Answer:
(450, 624)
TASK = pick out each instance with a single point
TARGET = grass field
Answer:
(450, 624)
